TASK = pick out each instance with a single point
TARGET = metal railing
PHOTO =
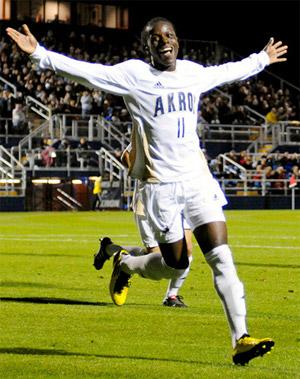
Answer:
(39, 108)
(254, 184)
(10, 85)
(12, 175)
(5, 126)
(287, 133)
(233, 134)
(255, 116)
(108, 163)
(60, 160)
(110, 134)
(67, 200)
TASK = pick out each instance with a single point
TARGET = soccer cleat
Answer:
(119, 282)
(102, 256)
(248, 348)
(174, 301)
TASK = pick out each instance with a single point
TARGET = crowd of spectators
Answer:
(274, 168)
(65, 96)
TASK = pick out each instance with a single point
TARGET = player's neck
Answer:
(161, 67)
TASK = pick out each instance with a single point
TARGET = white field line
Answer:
(128, 242)
(265, 247)
(61, 237)
(48, 236)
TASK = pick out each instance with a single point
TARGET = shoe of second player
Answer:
(119, 282)
(102, 256)
(174, 301)
(248, 348)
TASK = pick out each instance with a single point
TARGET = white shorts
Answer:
(166, 205)
(146, 233)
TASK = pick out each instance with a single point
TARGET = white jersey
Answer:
(163, 106)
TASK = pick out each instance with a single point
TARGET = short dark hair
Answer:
(149, 25)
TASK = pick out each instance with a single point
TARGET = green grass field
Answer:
(57, 319)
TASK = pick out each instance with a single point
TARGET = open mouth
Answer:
(167, 51)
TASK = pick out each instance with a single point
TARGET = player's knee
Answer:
(220, 260)
(174, 272)
(180, 264)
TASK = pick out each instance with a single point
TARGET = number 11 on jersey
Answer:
(180, 127)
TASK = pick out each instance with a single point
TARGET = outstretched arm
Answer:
(229, 72)
(111, 79)
(275, 51)
(26, 42)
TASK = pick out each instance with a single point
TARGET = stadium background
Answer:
(239, 26)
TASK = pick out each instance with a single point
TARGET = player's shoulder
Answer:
(185, 64)
(189, 68)
(133, 65)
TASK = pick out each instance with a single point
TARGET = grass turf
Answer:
(58, 321)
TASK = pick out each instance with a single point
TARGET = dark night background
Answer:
(243, 26)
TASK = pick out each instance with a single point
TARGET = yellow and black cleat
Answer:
(248, 348)
(119, 282)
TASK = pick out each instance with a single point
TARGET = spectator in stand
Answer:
(210, 111)
(296, 172)
(98, 99)
(6, 103)
(107, 110)
(83, 152)
(62, 152)
(86, 101)
(269, 172)
(125, 121)
(258, 176)
(18, 119)
(216, 167)
(278, 185)
(224, 110)
(48, 153)
(271, 116)
(281, 114)
(239, 115)
(245, 160)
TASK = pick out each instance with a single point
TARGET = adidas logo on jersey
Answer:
(158, 85)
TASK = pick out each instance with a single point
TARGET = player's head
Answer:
(160, 43)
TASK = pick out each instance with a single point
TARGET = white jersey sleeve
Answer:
(214, 76)
(111, 79)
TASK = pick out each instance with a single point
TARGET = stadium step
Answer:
(266, 148)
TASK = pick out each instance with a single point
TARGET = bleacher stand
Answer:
(234, 105)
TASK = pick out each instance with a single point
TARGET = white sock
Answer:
(151, 266)
(229, 288)
(176, 283)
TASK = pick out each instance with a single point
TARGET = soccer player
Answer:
(172, 299)
(162, 99)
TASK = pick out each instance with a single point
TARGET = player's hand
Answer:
(26, 42)
(275, 51)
